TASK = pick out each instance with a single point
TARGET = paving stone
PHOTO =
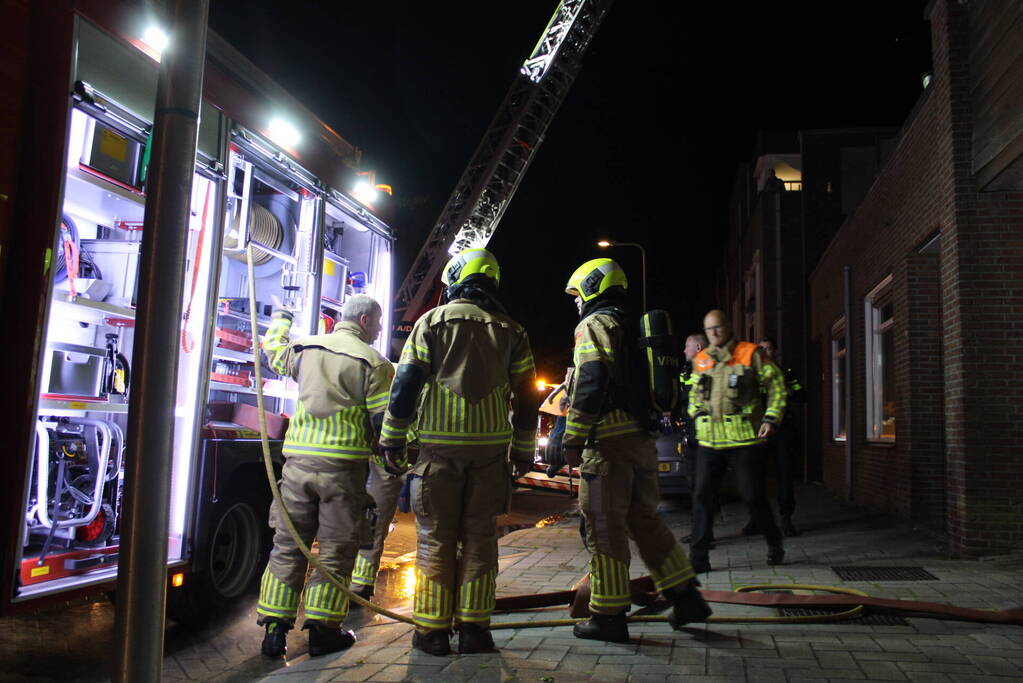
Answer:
(824, 674)
(927, 677)
(836, 660)
(942, 667)
(882, 671)
(362, 672)
(997, 666)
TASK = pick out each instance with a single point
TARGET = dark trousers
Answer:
(748, 463)
(691, 457)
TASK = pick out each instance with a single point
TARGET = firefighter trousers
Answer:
(457, 492)
(384, 489)
(325, 498)
(618, 498)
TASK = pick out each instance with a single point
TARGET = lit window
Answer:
(839, 349)
(879, 313)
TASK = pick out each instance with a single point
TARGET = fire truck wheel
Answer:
(236, 551)
(235, 557)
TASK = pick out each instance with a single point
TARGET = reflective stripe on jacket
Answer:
(598, 339)
(342, 383)
(478, 370)
(737, 389)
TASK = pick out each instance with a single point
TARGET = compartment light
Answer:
(365, 192)
(155, 38)
(178, 579)
(283, 133)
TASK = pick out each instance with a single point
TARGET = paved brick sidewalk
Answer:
(552, 558)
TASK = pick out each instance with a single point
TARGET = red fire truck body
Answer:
(72, 194)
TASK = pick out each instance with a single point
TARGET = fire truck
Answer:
(267, 172)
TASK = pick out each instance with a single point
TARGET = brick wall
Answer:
(958, 329)
(924, 375)
(907, 203)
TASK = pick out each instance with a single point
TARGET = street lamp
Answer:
(604, 244)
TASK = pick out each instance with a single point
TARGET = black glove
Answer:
(554, 458)
(394, 460)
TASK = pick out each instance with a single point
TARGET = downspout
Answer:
(777, 271)
(847, 303)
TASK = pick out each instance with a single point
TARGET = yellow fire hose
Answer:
(286, 518)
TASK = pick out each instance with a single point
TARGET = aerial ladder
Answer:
(509, 145)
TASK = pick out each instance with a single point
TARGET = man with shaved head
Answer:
(737, 402)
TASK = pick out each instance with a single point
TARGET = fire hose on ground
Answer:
(643, 590)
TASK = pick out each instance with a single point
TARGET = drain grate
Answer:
(884, 574)
(867, 620)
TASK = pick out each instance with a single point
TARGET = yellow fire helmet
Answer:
(470, 262)
(595, 277)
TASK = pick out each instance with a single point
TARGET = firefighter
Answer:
(384, 488)
(695, 343)
(618, 462)
(782, 445)
(343, 387)
(473, 362)
(738, 402)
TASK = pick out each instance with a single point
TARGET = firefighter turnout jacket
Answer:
(736, 390)
(340, 402)
(598, 384)
(475, 365)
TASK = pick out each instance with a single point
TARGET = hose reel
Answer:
(263, 228)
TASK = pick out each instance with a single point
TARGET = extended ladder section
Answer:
(482, 194)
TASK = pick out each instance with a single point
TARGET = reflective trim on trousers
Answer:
(609, 584)
(476, 599)
(365, 573)
(276, 598)
(326, 602)
(432, 607)
(673, 571)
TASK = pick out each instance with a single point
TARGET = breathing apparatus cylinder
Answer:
(662, 363)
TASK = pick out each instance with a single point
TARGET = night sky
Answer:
(644, 149)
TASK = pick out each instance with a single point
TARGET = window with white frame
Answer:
(839, 349)
(879, 315)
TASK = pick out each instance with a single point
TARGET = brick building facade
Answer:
(915, 339)
(779, 226)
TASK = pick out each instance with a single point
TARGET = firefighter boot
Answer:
(434, 642)
(324, 639)
(688, 605)
(775, 554)
(473, 638)
(275, 642)
(612, 628)
(786, 526)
